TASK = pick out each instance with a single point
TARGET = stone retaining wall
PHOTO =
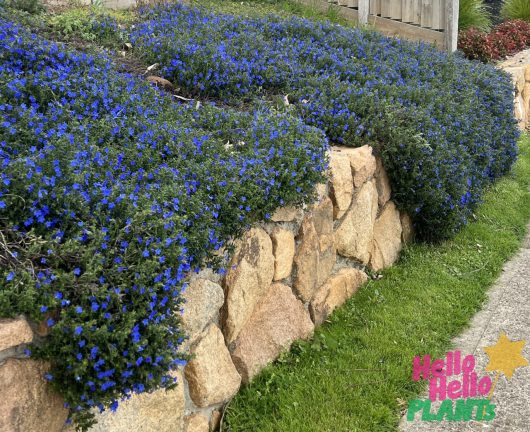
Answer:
(284, 279)
(518, 67)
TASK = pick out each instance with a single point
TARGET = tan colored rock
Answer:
(520, 79)
(518, 76)
(407, 229)
(339, 288)
(321, 191)
(196, 423)
(160, 411)
(362, 163)
(306, 260)
(526, 102)
(526, 95)
(248, 278)
(215, 420)
(160, 82)
(341, 185)
(326, 258)
(211, 375)
(354, 235)
(382, 183)
(519, 109)
(387, 238)
(203, 301)
(278, 320)
(14, 332)
(286, 214)
(283, 247)
(323, 216)
(316, 253)
(28, 403)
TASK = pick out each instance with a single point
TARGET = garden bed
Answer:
(113, 191)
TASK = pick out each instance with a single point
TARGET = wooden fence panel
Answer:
(406, 10)
(375, 7)
(437, 15)
(434, 21)
(395, 10)
(386, 8)
(411, 10)
(417, 12)
(426, 13)
(451, 25)
(364, 11)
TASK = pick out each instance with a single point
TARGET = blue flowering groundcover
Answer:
(443, 125)
(110, 193)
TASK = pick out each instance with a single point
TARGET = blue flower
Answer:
(114, 406)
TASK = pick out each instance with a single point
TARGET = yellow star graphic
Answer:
(506, 356)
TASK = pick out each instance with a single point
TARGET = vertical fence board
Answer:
(433, 16)
(386, 10)
(437, 14)
(442, 15)
(416, 5)
(364, 9)
(451, 25)
(395, 9)
(406, 11)
(375, 7)
(426, 13)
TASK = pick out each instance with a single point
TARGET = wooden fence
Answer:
(433, 21)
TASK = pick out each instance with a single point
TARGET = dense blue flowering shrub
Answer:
(110, 193)
(443, 125)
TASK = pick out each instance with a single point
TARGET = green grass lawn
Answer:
(356, 373)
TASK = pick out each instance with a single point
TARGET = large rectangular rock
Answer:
(14, 332)
(279, 319)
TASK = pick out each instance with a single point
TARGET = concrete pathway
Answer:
(507, 310)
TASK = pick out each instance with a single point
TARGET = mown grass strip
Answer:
(355, 375)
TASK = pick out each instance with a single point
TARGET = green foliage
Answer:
(284, 8)
(360, 363)
(419, 107)
(28, 6)
(87, 24)
(516, 9)
(26, 14)
(473, 13)
(111, 194)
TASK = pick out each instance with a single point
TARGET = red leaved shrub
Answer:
(505, 39)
